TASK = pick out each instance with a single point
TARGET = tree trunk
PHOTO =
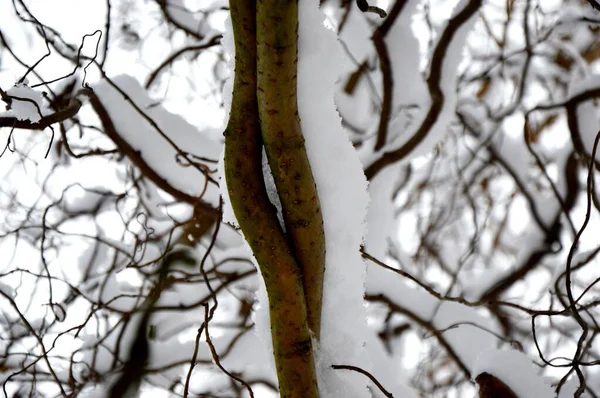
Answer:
(277, 55)
(257, 217)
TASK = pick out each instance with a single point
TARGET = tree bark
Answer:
(258, 221)
(277, 58)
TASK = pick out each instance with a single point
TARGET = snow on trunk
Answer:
(342, 189)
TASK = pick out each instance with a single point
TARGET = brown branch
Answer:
(57, 117)
(435, 91)
(369, 375)
(552, 236)
(136, 158)
(164, 7)
(573, 120)
(380, 298)
(492, 387)
(171, 58)
(595, 5)
(385, 65)
(364, 6)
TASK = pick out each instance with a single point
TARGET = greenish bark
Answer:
(277, 59)
(258, 221)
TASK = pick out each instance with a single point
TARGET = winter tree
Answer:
(334, 198)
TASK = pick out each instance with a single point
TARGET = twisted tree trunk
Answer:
(277, 55)
(292, 266)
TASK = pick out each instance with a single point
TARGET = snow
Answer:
(7, 290)
(228, 215)
(357, 108)
(410, 86)
(580, 84)
(229, 49)
(25, 110)
(183, 17)
(118, 293)
(465, 339)
(162, 156)
(262, 324)
(450, 66)
(381, 222)
(345, 336)
(342, 190)
(78, 199)
(272, 188)
(338, 173)
(96, 391)
(515, 370)
(59, 312)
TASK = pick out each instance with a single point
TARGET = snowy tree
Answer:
(334, 198)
